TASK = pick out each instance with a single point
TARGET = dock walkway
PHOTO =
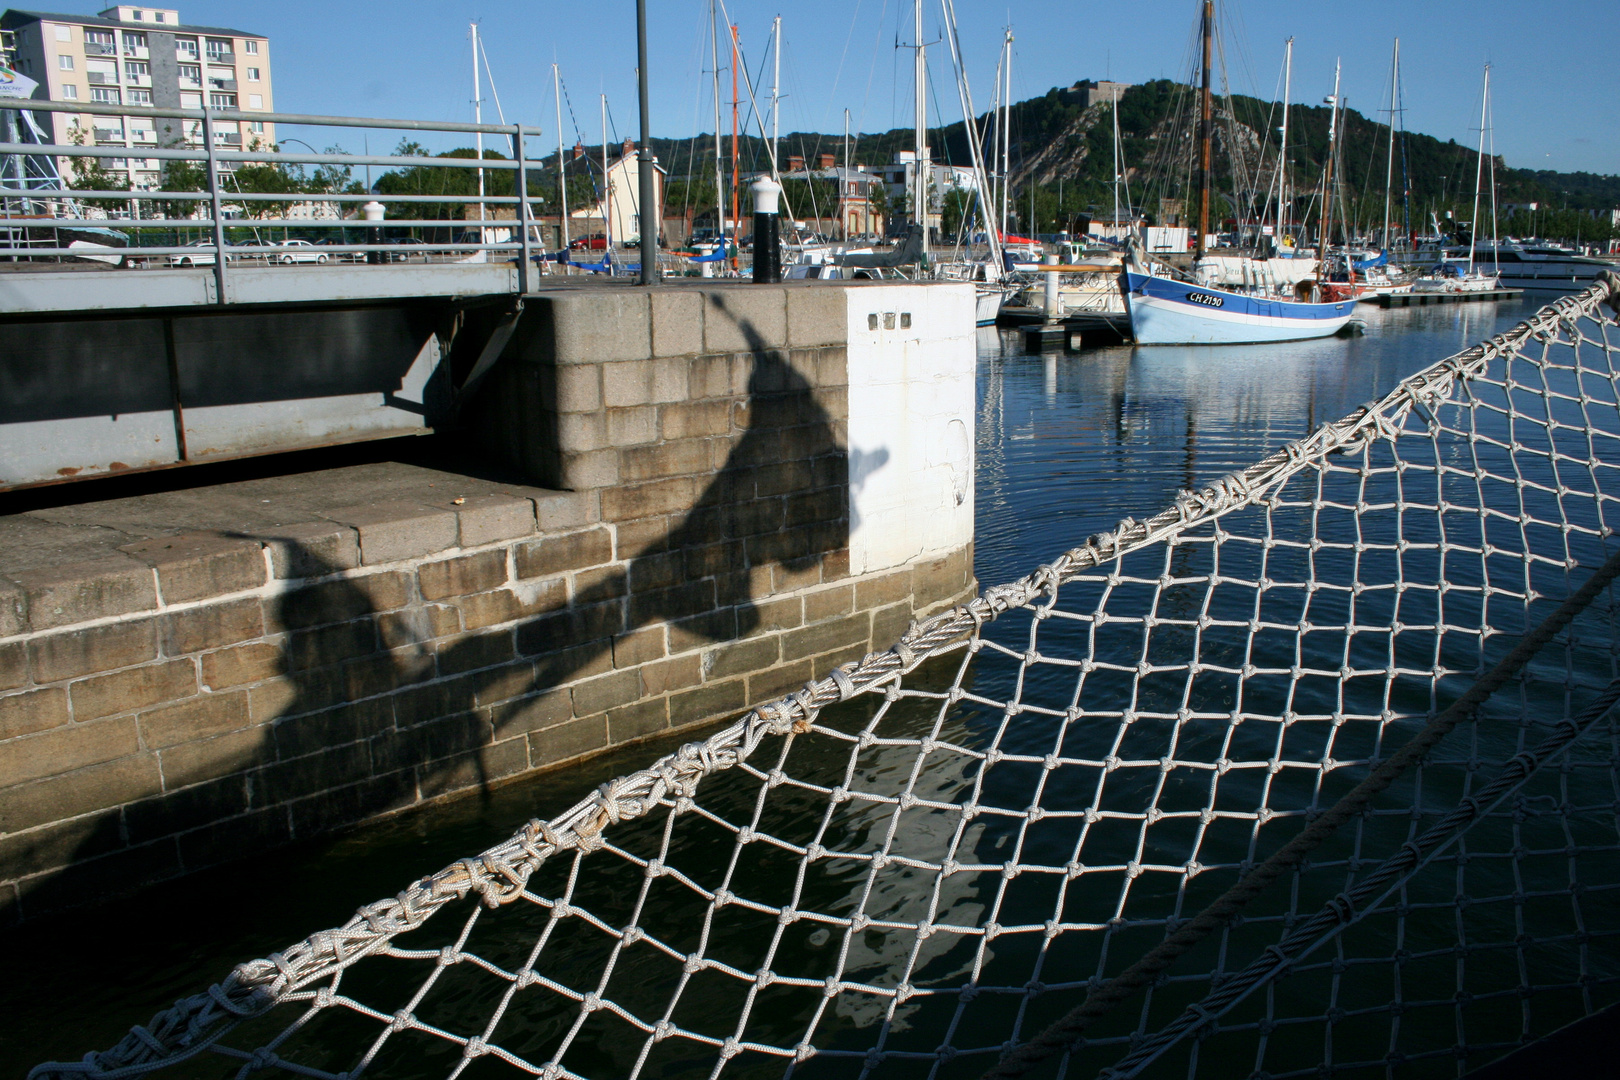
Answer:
(1421, 299)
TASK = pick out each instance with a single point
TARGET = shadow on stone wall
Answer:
(405, 722)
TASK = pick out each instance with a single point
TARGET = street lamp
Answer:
(312, 150)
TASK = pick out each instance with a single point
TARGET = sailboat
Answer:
(1452, 277)
(1168, 310)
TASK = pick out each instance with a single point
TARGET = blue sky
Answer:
(1555, 76)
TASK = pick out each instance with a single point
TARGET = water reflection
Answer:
(1069, 443)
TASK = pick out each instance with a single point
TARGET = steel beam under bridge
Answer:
(109, 371)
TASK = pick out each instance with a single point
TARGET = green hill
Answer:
(1062, 160)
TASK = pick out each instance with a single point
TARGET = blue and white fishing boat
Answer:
(1165, 311)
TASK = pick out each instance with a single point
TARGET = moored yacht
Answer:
(1541, 267)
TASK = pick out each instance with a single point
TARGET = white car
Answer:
(297, 251)
(203, 257)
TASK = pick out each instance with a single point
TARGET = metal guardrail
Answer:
(33, 210)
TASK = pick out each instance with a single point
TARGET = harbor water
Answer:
(1067, 445)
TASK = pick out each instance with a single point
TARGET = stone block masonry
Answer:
(178, 701)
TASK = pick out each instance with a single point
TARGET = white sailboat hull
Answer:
(1162, 314)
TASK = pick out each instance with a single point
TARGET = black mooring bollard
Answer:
(767, 234)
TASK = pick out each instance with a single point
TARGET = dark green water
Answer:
(1067, 446)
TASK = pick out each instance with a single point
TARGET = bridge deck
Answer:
(78, 289)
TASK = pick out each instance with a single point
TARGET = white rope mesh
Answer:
(914, 867)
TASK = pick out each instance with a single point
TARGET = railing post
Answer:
(523, 208)
(215, 210)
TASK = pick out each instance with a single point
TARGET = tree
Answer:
(183, 176)
(331, 179)
(89, 174)
(267, 178)
(957, 208)
(877, 196)
(461, 183)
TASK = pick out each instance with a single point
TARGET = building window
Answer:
(257, 127)
(157, 16)
(64, 62)
(64, 33)
(137, 69)
(137, 14)
(191, 74)
(140, 97)
(133, 41)
(222, 101)
(252, 47)
(191, 101)
(70, 92)
(255, 101)
(218, 49)
(186, 48)
(104, 95)
(253, 74)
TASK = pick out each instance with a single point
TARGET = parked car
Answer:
(409, 247)
(204, 256)
(593, 242)
(297, 251)
(341, 256)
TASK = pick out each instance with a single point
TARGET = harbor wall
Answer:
(744, 487)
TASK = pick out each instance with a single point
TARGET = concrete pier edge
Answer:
(743, 487)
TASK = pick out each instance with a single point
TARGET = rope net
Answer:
(1147, 809)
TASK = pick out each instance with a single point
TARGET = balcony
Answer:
(101, 78)
(190, 83)
(218, 57)
(222, 84)
(227, 138)
(136, 52)
(91, 49)
(109, 137)
(138, 80)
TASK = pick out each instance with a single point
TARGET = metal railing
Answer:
(37, 215)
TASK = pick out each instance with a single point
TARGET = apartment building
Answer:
(142, 56)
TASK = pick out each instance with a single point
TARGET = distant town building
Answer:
(620, 211)
(853, 213)
(942, 179)
(1089, 92)
(144, 57)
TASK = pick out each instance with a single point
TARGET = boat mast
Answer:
(1496, 243)
(719, 169)
(1206, 110)
(1283, 206)
(1389, 164)
(607, 197)
(1006, 133)
(970, 121)
(562, 166)
(1479, 168)
(776, 81)
(1326, 228)
(736, 210)
(919, 198)
(478, 118)
(843, 180)
(1115, 111)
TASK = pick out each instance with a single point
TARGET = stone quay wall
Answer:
(199, 696)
